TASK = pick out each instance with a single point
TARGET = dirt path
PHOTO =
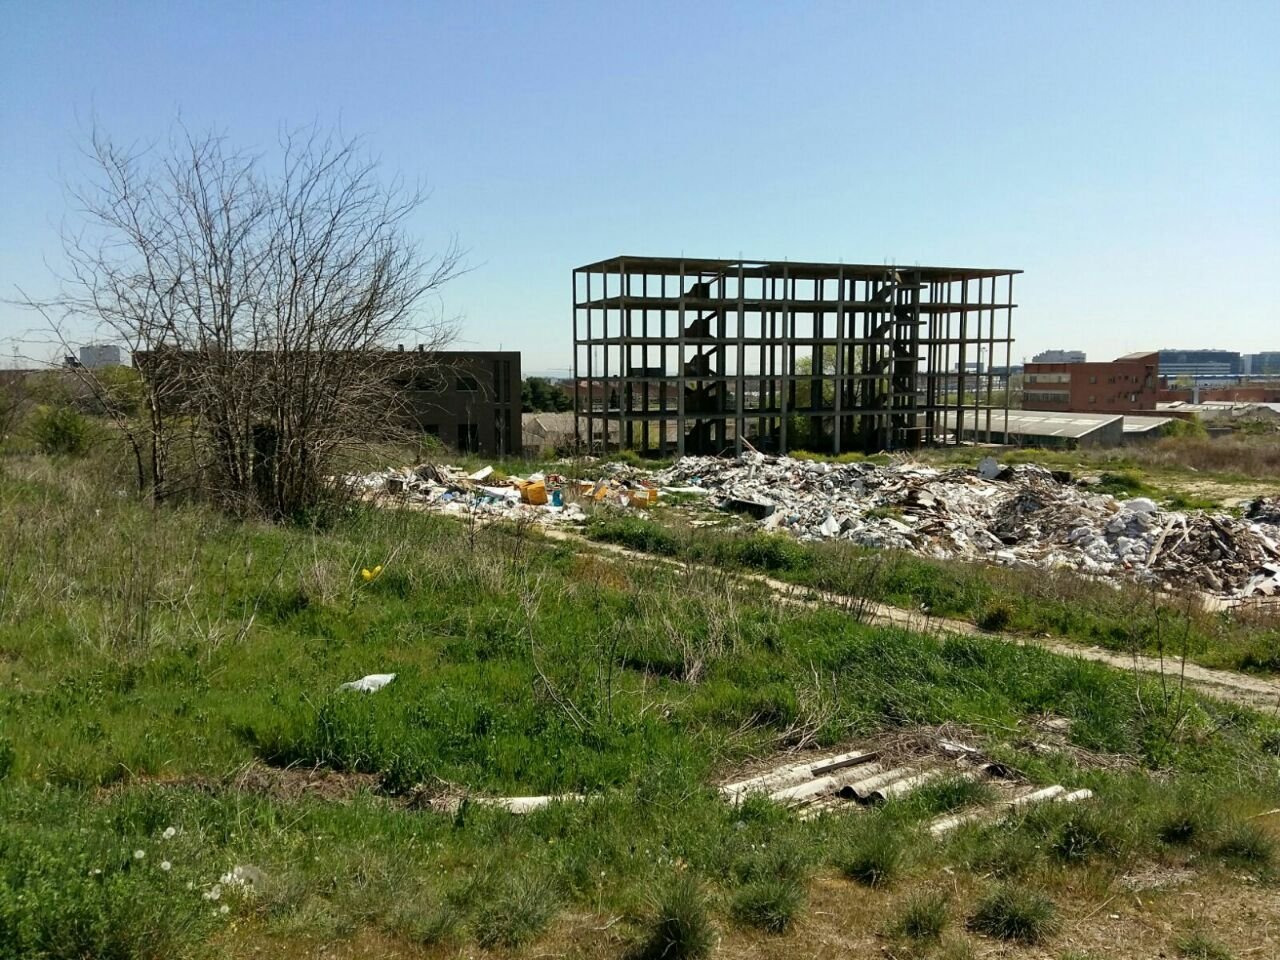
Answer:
(1255, 692)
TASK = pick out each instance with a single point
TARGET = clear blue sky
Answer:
(1125, 155)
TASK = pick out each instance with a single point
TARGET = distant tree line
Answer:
(540, 395)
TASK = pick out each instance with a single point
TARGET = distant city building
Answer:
(1200, 363)
(1059, 356)
(1127, 384)
(99, 355)
(1267, 362)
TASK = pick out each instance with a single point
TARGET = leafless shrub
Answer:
(260, 306)
(817, 706)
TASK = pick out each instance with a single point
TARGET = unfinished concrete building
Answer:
(681, 355)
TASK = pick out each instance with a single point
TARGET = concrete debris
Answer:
(1055, 794)
(1022, 515)
(527, 804)
(845, 782)
(370, 684)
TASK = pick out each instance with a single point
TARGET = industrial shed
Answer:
(1046, 428)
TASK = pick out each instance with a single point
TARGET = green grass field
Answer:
(160, 668)
(1120, 616)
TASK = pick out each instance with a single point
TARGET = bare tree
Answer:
(261, 304)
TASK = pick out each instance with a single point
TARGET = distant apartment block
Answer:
(1266, 363)
(1127, 384)
(1059, 356)
(1200, 363)
(99, 355)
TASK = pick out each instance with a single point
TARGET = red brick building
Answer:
(1125, 385)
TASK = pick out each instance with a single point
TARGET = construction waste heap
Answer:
(1021, 515)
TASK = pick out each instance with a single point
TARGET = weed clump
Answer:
(872, 858)
(426, 924)
(994, 616)
(1087, 833)
(681, 927)
(951, 794)
(771, 904)
(1016, 914)
(1197, 946)
(923, 917)
(1186, 820)
(1246, 843)
(516, 913)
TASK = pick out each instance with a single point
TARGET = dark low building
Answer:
(470, 400)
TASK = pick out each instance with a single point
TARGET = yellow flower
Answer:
(371, 575)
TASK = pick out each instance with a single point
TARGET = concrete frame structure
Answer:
(683, 355)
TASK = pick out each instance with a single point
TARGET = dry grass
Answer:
(1239, 455)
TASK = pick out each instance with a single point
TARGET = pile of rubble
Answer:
(1022, 515)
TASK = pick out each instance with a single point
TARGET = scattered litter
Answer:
(370, 684)
(542, 498)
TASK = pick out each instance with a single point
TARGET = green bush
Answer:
(1086, 833)
(633, 532)
(1184, 428)
(765, 551)
(60, 430)
(995, 615)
